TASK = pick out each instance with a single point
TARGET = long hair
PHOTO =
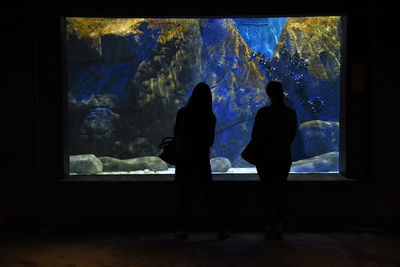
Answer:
(201, 99)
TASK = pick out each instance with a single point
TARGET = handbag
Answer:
(171, 147)
(169, 153)
(250, 153)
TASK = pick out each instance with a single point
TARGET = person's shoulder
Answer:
(264, 109)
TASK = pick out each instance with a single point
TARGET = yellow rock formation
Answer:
(317, 40)
(94, 28)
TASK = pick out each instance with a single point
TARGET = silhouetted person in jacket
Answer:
(273, 131)
(194, 134)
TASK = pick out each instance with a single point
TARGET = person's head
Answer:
(201, 97)
(274, 91)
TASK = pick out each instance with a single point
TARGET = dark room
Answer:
(199, 133)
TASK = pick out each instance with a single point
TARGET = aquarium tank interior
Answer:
(127, 77)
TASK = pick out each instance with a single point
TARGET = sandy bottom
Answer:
(172, 171)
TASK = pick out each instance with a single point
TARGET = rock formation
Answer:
(135, 164)
(319, 137)
(220, 164)
(85, 164)
(328, 162)
(308, 58)
(316, 39)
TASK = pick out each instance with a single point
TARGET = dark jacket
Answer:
(274, 130)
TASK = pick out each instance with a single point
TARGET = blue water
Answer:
(261, 34)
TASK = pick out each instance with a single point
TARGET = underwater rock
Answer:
(328, 162)
(98, 124)
(92, 129)
(112, 164)
(99, 100)
(319, 137)
(142, 146)
(81, 49)
(85, 164)
(149, 162)
(139, 147)
(220, 164)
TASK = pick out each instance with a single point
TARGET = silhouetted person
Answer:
(194, 134)
(273, 131)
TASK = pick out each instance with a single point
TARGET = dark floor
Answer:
(201, 249)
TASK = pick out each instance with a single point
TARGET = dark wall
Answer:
(151, 206)
(384, 115)
(19, 145)
(32, 129)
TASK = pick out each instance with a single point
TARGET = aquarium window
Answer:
(127, 77)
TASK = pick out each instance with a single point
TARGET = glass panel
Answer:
(127, 77)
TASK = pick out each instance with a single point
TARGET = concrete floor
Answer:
(201, 249)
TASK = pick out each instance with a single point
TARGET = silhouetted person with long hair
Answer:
(273, 131)
(194, 134)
